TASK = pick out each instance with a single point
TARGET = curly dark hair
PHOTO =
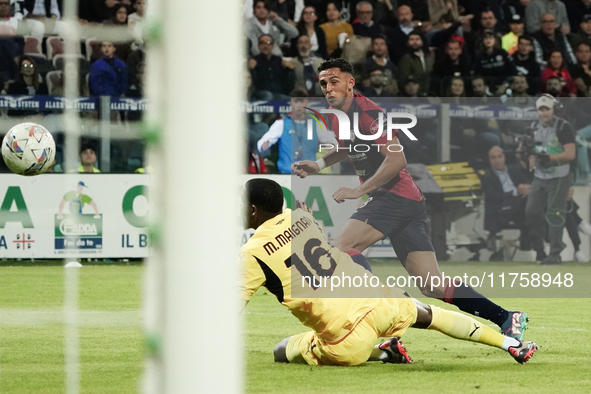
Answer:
(341, 64)
(265, 194)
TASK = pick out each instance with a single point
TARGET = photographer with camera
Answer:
(550, 156)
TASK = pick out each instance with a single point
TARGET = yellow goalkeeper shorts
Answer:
(390, 318)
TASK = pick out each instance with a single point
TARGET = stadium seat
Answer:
(55, 83)
(93, 51)
(33, 47)
(56, 46)
(89, 46)
(86, 84)
(59, 62)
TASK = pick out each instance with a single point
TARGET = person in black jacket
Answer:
(272, 77)
(576, 10)
(97, 10)
(455, 63)
(513, 7)
(308, 26)
(550, 37)
(398, 35)
(420, 10)
(364, 25)
(527, 64)
(574, 224)
(38, 9)
(440, 38)
(27, 83)
(494, 62)
(505, 189)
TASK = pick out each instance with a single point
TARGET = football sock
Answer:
(460, 326)
(359, 259)
(474, 303)
(378, 354)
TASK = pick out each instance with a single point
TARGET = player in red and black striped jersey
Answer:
(367, 163)
(395, 208)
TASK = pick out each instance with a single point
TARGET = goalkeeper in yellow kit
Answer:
(290, 255)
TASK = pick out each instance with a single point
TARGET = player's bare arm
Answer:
(569, 154)
(337, 87)
(307, 167)
(393, 163)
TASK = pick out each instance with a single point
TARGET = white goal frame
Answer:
(195, 90)
(195, 87)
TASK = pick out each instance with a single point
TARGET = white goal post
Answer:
(195, 87)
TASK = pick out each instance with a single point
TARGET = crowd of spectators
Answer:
(32, 61)
(31, 48)
(410, 49)
(466, 51)
(473, 51)
(430, 40)
(479, 52)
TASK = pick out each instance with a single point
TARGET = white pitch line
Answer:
(559, 328)
(550, 328)
(490, 325)
(86, 318)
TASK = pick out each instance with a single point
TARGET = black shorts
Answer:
(402, 220)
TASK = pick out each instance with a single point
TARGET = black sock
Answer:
(471, 301)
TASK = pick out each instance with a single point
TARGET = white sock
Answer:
(510, 342)
(378, 354)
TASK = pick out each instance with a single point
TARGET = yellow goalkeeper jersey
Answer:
(290, 255)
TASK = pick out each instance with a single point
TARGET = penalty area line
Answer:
(550, 328)
(85, 318)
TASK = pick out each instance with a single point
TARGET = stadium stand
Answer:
(55, 82)
(463, 25)
(33, 47)
(455, 57)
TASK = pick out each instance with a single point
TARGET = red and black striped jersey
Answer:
(366, 163)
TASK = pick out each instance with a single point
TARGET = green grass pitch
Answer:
(111, 339)
(112, 352)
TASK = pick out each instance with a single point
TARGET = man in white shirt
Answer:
(505, 191)
(12, 25)
(139, 14)
(268, 22)
(8, 24)
(46, 12)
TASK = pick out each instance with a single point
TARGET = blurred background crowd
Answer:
(32, 62)
(412, 52)
(32, 48)
(473, 52)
